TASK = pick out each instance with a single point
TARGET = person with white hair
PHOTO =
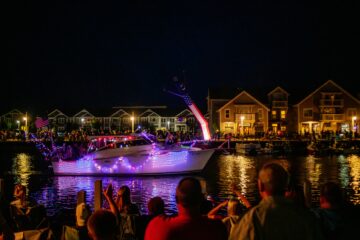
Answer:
(275, 217)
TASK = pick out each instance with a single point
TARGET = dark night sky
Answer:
(102, 53)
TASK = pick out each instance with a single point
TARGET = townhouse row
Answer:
(327, 108)
(119, 118)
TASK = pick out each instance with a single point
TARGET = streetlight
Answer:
(168, 124)
(132, 123)
(26, 125)
(242, 124)
(82, 122)
(353, 125)
(18, 123)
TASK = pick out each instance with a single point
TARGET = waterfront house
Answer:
(278, 104)
(327, 108)
(12, 119)
(244, 115)
(58, 120)
(218, 97)
(84, 119)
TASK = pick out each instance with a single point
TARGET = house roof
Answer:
(324, 84)
(147, 113)
(58, 113)
(242, 93)
(228, 93)
(15, 110)
(184, 113)
(278, 88)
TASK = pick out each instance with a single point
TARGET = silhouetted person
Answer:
(275, 217)
(123, 201)
(102, 225)
(189, 223)
(156, 207)
(334, 217)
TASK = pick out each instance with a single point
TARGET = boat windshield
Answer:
(112, 143)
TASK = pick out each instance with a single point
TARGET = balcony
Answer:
(331, 103)
(332, 117)
(246, 117)
(279, 104)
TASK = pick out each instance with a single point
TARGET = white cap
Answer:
(82, 214)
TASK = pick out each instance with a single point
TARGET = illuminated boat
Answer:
(129, 155)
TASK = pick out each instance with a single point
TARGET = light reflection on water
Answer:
(62, 192)
(23, 168)
(58, 193)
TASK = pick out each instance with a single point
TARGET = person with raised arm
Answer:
(189, 224)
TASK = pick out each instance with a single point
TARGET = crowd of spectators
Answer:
(281, 214)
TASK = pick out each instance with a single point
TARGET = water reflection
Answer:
(61, 194)
(58, 193)
(354, 165)
(23, 167)
(313, 166)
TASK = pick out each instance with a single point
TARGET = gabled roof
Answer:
(83, 111)
(15, 110)
(147, 113)
(119, 112)
(278, 88)
(323, 85)
(237, 96)
(154, 114)
(56, 113)
(185, 112)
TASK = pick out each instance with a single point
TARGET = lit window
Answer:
(273, 114)
(283, 114)
(227, 113)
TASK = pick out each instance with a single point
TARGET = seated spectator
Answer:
(189, 223)
(102, 225)
(275, 217)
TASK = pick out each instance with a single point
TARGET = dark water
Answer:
(59, 193)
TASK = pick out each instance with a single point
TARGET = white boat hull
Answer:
(137, 160)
